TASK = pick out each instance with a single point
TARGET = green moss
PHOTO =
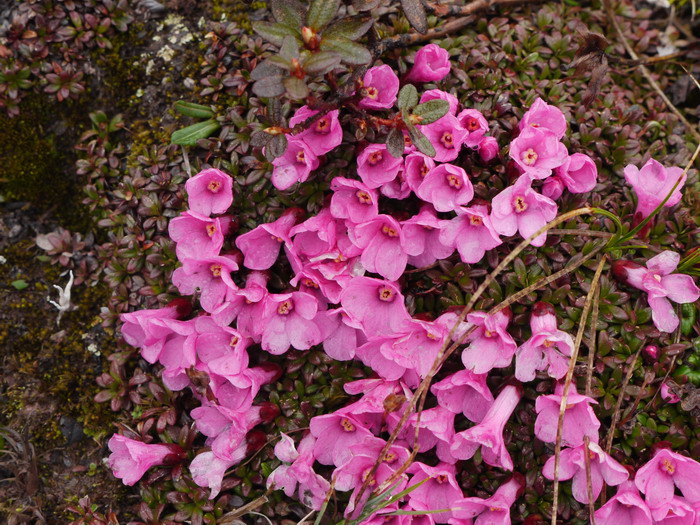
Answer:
(236, 11)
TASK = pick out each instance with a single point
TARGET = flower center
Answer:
(389, 231)
(310, 283)
(211, 230)
(366, 475)
(520, 204)
(530, 157)
(390, 457)
(234, 340)
(375, 158)
(300, 157)
(442, 478)
(424, 170)
(407, 142)
(285, 307)
(347, 425)
(370, 92)
(275, 238)
(454, 182)
(494, 509)
(363, 197)
(657, 277)
(215, 270)
(447, 140)
(475, 220)
(386, 294)
(322, 125)
(547, 343)
(668, 466)
(214, 186)
(472, 124)
(489, 333)
(431, 336)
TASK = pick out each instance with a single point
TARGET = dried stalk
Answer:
(592, 339)
(567, 383)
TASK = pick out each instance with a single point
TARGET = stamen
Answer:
(447, 140)
(389, 231)
(347, 425)
(363, 197)
(214, 186)
(520, 204)
(285, 307)
(215, 270)
(375, 158)
(530, 157)
(386, 294)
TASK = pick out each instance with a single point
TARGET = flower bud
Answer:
(268, 411)
(488, 149)
(182, 306)
(553, 187)
(652, 351)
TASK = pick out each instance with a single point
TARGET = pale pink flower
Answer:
(376, 166)
(679, 512)
(288, 320)
(471, 232)
(197, 235)
(210, 191)
(323, 135)
(544, 116)
(436, 429)
(379, 88)
(353, 200)
(578, 173)
(335, 434)
(295, 165)
(447, 187)
(553, 187)
(579, 418)
(624, 508)
(658, 478)
(494, 510)
(447, 136)
(491, 346)
(537, 152)
(416, 167)
(352, 473)
(138, 327)
(130, 459)
(376, 304)
(474, 122)
(380, 240)
(417, 347)
(208, 470)
(431, 63)
(421, 238)
(261, 246)
(464, 392)
(211, 276)
(438, 493)
(652, 184)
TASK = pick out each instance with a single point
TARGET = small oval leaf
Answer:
(193, 110)
(191, 134)
(321, 13)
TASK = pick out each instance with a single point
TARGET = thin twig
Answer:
(567, 384)
(589, 485)
(592, 340)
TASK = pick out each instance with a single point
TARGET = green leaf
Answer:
(296, 87)
(20, 284)
(269, 87)
(321, 63)
(193, 110)
(350, 28)
(414, 12)
(349, 51)
(288, 12)
(420, 141)
(191, 134)
(265, 69)
(408, 97)
(290, 48)
(687, 318)
(431, 111)
(395, 143)
(321, 12)
(274, 33)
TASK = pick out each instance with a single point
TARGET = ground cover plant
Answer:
(382, 277)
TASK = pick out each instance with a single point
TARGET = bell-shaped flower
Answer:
(294, 165)
(658, 478)
(471, 232)
(447, 187)
(416, 167)
(353, 200)
(130, 459)
(520, 208)
(547, 349)
(544, 116)
(488, 149)
(464, 392)
(431, 63)
(572, 464)
(489, 433)
(439, 94)
(197, 235)
(376, 166)
(288, 320)
(421, 238)
(208, 469)
(261, 246)
(210, 275)
(578, 173)
(476, 125)
(379, 88)
(624, 508)
(553, 188)
(661, 284)
(335, 434)
(652, 184)
(537, 152)
(447, 136)
(379, 397)
(396, 189)
(323, 135)
(219, 350)
(376, 304)
(579, 418)
(491, 346)
(210, 191)
(417, 348)
(494, 510)
(380, 241)
(438, 493)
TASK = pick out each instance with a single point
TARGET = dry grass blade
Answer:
(592, 339)
(231, 517)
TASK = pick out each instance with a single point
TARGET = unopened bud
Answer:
(652, 351)
(621, 268)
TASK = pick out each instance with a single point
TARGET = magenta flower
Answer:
(651, 184)
(376, 166)
(439, 492)
(323, 135)
(572, 464)
(544, 116)
(197, 235)
(295, 165)
(437, 428)
(335, 433)
(447, 136)
(225, 428)
(494, 510)
(553, 187)
(678, 513)
(341, 336)
(547, 349)
(579, 418)
(379, 88)
(352, 474)
(438, 94)
(488, 434)
(520, 208)
(431, 63)
(471, 232)
(219, 350)
(447, 187)
(316, 235)
(657, 478)
(288, 320)
(474, 122)
(421, 238)
(380, 240)
(488, 149)
(130, 459)
(667, 395)
(661, 285)
(211, 276)
(396, 189)
(261, 246)
(208, 470)
(353, 200)
(537, 152)
(464, 392)
(578, 173)
(416, 167)
(246, 305)
(624, 508)
(376, 304)
(417, 348)
(491, 346)
(138, 328)
(210, 191)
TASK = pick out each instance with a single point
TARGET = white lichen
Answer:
(63, 304)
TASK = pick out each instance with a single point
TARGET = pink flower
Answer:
(197, 235)
(431, 63)
(244, 304)
(447, 187)
(295, 165)
(130, 459)
(417, 348)
(544, 116)
(678, 513)
(137, 329)
(380, 240)
(491, 346)
(489, 433)
(341, 336)
(624, 508)
(353, 200)
(377, 305)
(488, 149)
(438, 493)
(376, 166)
(662, 286)
(210, 191)
(657, 478)
(210, 275)
(323, 135)
(553, 187)
(335, 433)
(494, 510)
(220, 350)
(352, 473)
(447, 136)
(436, 428)
(261, 246)
(578, 173)
(288, 320)
(471, 232)
(396, 189)
(668, 396)
(474, 122)
(438, 94)
(464, 392)
(316, 235)
(537, 152)
(421, 238)
(651, 184)
(579, 418)
(572, 464)
(520, 208)
(208, 470)
(225, 428)
(416, 167)
(379, 88)
(547, 349)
